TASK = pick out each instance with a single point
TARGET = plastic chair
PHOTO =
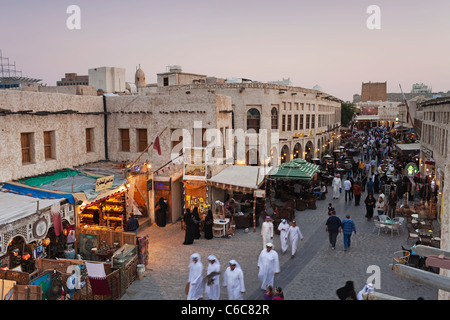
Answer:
(379, 225)
(394, 227)
(401, 257)
(400, 220)
(384, 217)
(218, 232)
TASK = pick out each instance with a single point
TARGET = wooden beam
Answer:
(424, 277)
(379, 296)
(426, 251)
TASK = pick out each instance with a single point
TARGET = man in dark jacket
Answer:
(392, 204)
(132, 224)
(333, 226)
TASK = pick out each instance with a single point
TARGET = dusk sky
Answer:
(311, 42)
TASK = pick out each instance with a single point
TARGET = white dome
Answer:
(317, 87)
(139, 78)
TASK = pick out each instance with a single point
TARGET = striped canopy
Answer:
(298, 169)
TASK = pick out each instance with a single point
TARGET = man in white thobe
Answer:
(337, 185)
(233, 280)
(195, 278)
(283, 228)
(212, 286)
(293, 235)
(267, 231)
(268, 265)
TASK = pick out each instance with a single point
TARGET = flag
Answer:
(408, 116)
(157, 146)
(97, 278)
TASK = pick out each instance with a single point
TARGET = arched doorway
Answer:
(297, 152)
(309, 150)
(285, 155)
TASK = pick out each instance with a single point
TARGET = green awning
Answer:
(298, 169)
(47, 178)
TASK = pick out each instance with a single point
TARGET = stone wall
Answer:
(154, 113)
(37, 112)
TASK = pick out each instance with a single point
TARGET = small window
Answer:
(253, 120)
(49, 145)
(27, 143)
(166, 81)
(124, 140)
(89, 139)
(141, 140)
(274, 118)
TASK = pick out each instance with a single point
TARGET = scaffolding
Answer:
(11, 78)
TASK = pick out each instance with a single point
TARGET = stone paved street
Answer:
(314, 274)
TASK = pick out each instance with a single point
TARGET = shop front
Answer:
(234, 188)
(32, 228)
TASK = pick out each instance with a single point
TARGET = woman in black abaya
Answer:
(209, 221)
(189, 223)
(196, 219)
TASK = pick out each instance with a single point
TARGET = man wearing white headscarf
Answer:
(268, 265)
(267, 231)
(233, 280)
(283, 228)
(294, 234)
(368, 288)
(195, 278)
(212, 286)
(337, 185)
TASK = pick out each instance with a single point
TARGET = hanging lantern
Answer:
(26, 256)
(46, 241)
(64, 232)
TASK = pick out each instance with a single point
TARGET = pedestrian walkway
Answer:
(314, 274)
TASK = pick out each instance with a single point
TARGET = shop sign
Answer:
(104, 183)
(195, 164)
(259, 193)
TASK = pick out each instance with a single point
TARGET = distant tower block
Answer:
(139, 78)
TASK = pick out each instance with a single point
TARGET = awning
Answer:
(408, 147)
(15, 206)
(80, 181)
(240, 178)
(298, 169)
(37, 193)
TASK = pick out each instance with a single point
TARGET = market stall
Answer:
(32, 227)
(70, 279)
(293, 183)
(235, 186)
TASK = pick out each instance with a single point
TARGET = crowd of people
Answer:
(378, 170)
(372, 176)
(200, 287)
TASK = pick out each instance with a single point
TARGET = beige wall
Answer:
(263, 97)
(69, 131)
(154, 113)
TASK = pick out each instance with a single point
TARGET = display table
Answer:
(222, 223)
